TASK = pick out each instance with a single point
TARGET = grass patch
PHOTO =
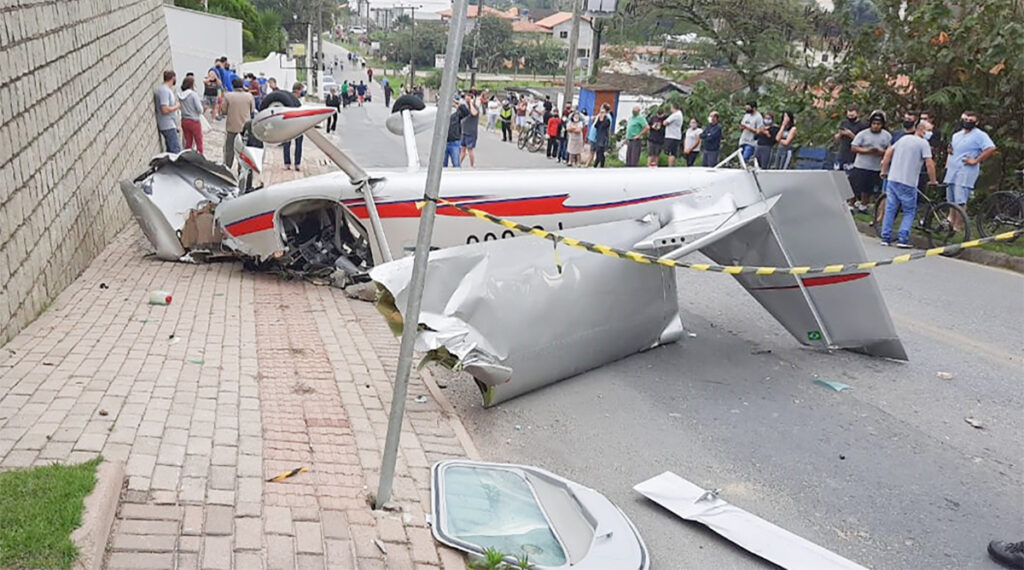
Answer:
(38, 510)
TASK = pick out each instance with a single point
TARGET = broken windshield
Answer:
(496, 508)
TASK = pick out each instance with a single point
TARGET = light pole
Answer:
(570, 66)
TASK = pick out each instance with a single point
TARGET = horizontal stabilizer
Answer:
(811, 226)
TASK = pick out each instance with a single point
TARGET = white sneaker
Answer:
(902, 245)
(885, 243)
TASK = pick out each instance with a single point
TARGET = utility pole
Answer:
(476, 38)
(595, 49)
(412, 50)
(411, 317)
(570, 66)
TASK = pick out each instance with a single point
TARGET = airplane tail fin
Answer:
(810, 226)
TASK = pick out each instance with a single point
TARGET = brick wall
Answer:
(76, 116)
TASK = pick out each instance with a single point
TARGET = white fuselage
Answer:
(553, 199)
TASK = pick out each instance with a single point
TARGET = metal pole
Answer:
(419, 266)
(570, 66)
(476, 37)
(595, 49)
(412, 51)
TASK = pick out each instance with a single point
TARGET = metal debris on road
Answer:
(836, 386)
(974, 423)
(752, 533)
(420, 399)
(944, 375)
(380, 546)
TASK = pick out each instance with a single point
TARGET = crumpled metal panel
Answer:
(752, 533)
(516, 322)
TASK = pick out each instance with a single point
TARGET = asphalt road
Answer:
(888, 474)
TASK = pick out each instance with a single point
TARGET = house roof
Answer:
(556, 19)
(523, 26)
(472, 11)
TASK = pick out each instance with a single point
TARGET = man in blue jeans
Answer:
(901, 167)
(454, 143)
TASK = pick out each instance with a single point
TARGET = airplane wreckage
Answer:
(517, 312)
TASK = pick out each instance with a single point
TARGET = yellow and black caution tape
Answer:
(287, 474)
(644, 258)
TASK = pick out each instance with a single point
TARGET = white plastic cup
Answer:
(159, 297)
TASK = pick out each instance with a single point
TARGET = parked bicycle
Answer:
(1001, 211)
(942, 223)
(532, 138)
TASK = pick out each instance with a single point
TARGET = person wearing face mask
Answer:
(711, 140)
(750, 125)
(968, 148)
(869, 145)
(909, 127)
(167, 104)
(691, 147)
(765, 138)
(848, 128)
(574, 134)
(900, 167)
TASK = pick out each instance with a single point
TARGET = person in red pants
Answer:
(191, 111)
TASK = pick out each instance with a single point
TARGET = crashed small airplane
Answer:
(517, 312)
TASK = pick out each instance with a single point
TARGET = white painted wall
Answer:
(198, 38)
(586, 34)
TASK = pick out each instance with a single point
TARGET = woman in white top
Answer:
(785, 137)
(493, 107)
(691, 144)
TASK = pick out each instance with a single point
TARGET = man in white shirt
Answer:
(673, 133)
(750, 124)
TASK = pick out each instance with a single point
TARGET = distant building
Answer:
(559, 25)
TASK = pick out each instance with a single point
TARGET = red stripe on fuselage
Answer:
(817, 281)
(539, 206)
(251, 225)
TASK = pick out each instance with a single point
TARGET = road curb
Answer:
(974, 255)
(98, 517)
(448, 410)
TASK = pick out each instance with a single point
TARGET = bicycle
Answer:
(932, 219)
(1001, 211)
(532, 138)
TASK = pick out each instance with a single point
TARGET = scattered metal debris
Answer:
(835, 386)
(944, 375)
(380, 546)
(974, 423)
(756, 535)
(420, 399)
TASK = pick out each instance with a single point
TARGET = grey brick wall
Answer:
(76, 116)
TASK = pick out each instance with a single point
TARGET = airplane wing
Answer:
(521, 313)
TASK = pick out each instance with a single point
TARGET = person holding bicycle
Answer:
(900, 167)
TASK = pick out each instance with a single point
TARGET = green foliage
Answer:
(945, 56)
(750, 37)
(427, 40)
(490, 41)
(261, 29)
(38, 510)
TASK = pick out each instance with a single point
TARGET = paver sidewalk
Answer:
(243, 376)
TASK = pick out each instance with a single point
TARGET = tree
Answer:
(261, 29)
(426, 41)
(751, 37)
(944, 56)
(491, 37)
